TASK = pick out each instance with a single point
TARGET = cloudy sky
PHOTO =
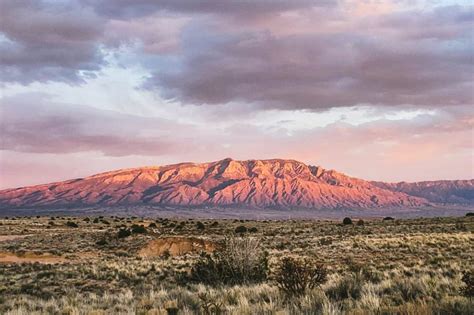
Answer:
(377, 89)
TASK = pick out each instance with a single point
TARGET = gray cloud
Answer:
(47, 41)
(400, 63)
(241, 8)
(271, 54)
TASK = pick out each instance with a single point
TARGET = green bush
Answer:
(295, 276)
(72, 224)
(122, 233)
(346, 221)
(240, 229)
(200, 225)
(468, 289)
(138, 229)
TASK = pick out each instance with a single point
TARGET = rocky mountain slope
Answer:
(254, 183)
(440, 191)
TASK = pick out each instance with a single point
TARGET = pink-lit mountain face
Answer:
(274, 183)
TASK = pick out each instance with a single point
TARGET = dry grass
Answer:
(382, 267)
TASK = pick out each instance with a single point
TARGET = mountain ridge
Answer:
(273, 183)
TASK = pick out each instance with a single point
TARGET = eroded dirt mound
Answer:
(176, 246)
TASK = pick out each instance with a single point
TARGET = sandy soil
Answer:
(6, 257)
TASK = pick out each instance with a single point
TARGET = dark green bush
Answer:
(72, 224)
(101, 242)
(138, 229)
(122, 233)
(468, 289)
(388, 219)
(240, 229)
(200, 225)
(295, 276)
(360, 222)
(346, 221)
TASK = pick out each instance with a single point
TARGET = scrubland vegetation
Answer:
(110, 265)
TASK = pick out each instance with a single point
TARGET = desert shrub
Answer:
(240, 229)
(106, 222)
(214, 224)
(237, 261)
(350, 286)
(470, 214)
(295, 276)
(152, 225)
(72, 224)
(360, 222)
(96, 220)
(101, 242)
(138, 229)
(388, 219)
(346, 221)
(200, 225)
(467, 289)
(210, 304)
(122, 233)
(253, 229)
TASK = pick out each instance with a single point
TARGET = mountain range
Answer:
(276, 183)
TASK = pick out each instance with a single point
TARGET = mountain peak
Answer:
(251, 183)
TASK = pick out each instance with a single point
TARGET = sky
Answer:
(381, 90)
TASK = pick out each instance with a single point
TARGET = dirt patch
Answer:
(9, 258)
(176, 246)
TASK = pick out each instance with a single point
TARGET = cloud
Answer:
(46, 42)
(127, 9)
(399, 64)
(426, 146)
(65, 128)
(271, 54)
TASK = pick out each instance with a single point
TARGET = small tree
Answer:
(347, 221)
(294, 276)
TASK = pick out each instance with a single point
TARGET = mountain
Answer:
(440, 191)
(255, 183)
